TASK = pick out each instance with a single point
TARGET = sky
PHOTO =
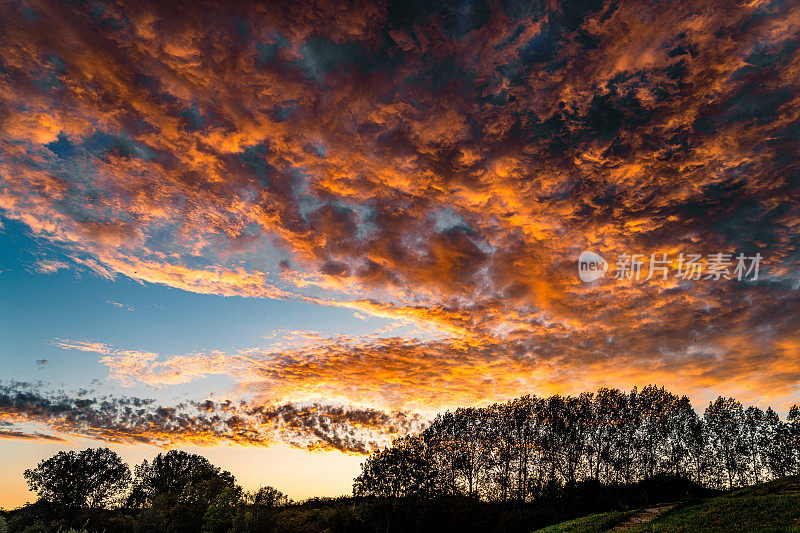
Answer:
(281, 234)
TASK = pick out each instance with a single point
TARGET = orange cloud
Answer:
(443, 171)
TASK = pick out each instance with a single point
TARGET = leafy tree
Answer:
(610, 406)
(523, 434)
(504, 451)
(778, 453)
(95, 477)
(257, 512)
(678, 448)
(176, 473)
(268, 497)
(624, 442)
(177, 489)
(221, 513)
(724, 418)
(533, 447)
(695, 438)
(398, 471)
(754, 435)
(456, 445)
(794, 437)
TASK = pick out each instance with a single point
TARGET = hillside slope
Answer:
(773, 506)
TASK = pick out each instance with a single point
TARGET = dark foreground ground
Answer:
(359, 515)
(773, 506)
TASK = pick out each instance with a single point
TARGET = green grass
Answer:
(589, 524)
(759, 508)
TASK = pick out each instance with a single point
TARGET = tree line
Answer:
(507, 467)
(175, 492)
(531, 447)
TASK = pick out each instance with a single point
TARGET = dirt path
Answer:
(642, 517)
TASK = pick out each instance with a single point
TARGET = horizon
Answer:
(277, 473)
(281, 238)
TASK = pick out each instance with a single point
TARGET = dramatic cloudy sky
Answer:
(281, 233)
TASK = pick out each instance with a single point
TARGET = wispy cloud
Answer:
(120, 305)
(21, 435)
(49, 266)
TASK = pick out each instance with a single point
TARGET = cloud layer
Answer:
(434, 162)
(135, 420)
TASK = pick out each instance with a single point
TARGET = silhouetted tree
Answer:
(177, 489)
(532, 447)
(777, 446)
(794, 437)
(697, 446)
(724, 419)
(173, 473)
(523, 435)
(754, 440)
(624, 459)
(221, 512)
(95, 477)
(268, 497)
(256, 512)
(398, 471)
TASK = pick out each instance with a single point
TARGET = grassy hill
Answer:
(773, 506)
(592, 522)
